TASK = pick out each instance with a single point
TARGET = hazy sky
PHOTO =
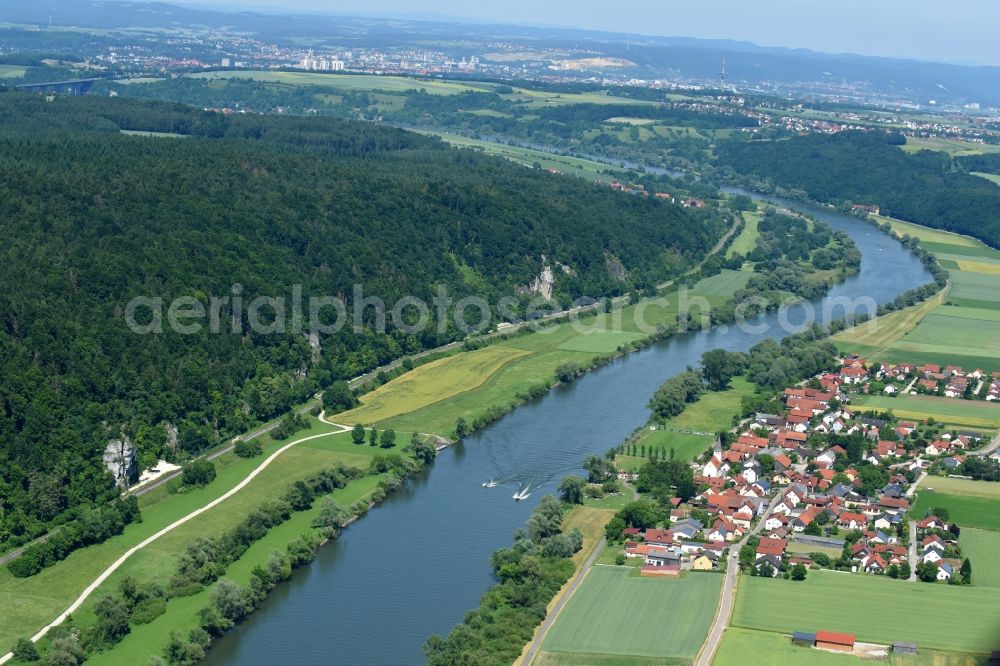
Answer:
(966, 31)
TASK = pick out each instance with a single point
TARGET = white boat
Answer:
(521, 494)
(490, 484)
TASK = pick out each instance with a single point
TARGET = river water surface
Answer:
(417, 562)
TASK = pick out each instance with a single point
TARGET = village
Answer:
(822, 485)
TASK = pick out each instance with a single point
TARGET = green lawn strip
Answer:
(615, 613)
(982, 548)
(747, 647)
(182, 613)
(686, 446)
(33, 602)
(876, 609)
(976, 512)
(614, 502)
(747, 240)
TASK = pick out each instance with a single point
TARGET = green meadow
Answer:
(981, 548)
(876, 609)
(973, 414)
(615, 613)
(966, 510)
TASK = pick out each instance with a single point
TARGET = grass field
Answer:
(613, 613)
(981, 547)
(927, 234)
(686, 446)
(954, 147)
(430, 383)
(600, 342)
(745, 647)
(950, 484)
(876, 609)
(747, 239)
(887, 329)
(992, 177)
(967, 511)
(27, 604)
(725, 284)
(976, 414)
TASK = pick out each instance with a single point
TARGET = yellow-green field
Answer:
(956, 486)
(437, 380)
(926, 233)
(954, 147)
(887, 329)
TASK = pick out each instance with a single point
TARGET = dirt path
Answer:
(536, 643)
(169, 528)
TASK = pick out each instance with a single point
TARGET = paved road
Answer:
(536, 644)
(169, 528)
(728, 596)
(988, 449)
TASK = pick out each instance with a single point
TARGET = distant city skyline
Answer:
(965, 33)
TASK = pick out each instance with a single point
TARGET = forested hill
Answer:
(93, 217)
(869, 168)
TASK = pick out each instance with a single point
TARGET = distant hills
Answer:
(695, 59)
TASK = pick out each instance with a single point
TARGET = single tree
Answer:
(571, 490)
(373, 437)
(388, 439)
(799, 572)
(358, 434)
(966, 572)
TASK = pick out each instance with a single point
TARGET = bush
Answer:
(247, 449)
(198, 473)
(25, 650)
(148, 610)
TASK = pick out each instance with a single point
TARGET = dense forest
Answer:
(869, 168)
(246, 206)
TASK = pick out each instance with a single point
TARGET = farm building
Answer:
(802, 638)
(827, 640)
(904, 648)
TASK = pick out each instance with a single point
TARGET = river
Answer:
(416, 563)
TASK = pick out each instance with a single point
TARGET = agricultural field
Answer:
(747, 239)
(876, 609)
(426, 384)
(885, 330)
(30, 603)
(615, 613)
(968, 511)
(720, 288)
(964, 330)
(982, 547)
(580, 659)
(972, 414)
(353, 83)
(745, 647)
(954, 147)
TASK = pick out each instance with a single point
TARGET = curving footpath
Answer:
(134, 549)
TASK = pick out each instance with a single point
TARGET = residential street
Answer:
(913, 552)
(728, 594)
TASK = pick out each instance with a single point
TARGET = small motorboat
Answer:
(521, 494)
(490, 484)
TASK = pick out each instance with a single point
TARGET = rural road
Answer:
(536, 643)
(728, 595)
(169, 528)
(913, 552)
(988, 449)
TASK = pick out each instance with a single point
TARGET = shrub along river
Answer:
(417, 562)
